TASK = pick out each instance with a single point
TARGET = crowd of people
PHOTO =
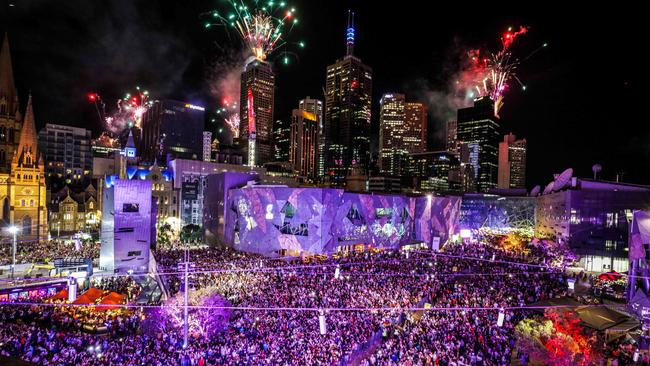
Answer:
(420, 308)
(44, 251)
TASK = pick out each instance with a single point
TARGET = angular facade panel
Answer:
(279, 220)
(128, 226)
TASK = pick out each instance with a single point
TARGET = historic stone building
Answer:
(22, 182)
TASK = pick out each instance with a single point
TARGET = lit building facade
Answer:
(72, 212)
(499, 214)
(392, 128)
(281, 140)
(22, 176)
(512, 162)
(315, 106)
(303, 151)
(451, 131)
(67, 152)
(256, 112)
(348, 96)
(593, 218)
(207, 146)
(434, 171)
(479, 129)
(276, 220)
(414, 137)
(172, 130)
(128, 225)
(10, 117)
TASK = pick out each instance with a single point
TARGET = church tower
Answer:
(27, 189)
(9, 109)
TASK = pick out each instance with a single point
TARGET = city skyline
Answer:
(560, 82)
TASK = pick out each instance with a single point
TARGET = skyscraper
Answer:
(512, 162)
(172, 130)
(451, 134)
(415, 127)
(391, 133)
(348, 92)
(281, 136)
(315, 106)
(479, 128)
(256, 112)
(304, 144)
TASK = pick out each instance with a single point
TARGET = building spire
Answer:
(27, 153)
(349, 34)
(8, 91)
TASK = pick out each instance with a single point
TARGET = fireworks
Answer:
(261, 26)
(490, 75)
(127, 113)
(230, 112)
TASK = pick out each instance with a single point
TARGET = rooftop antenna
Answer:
(349, 33)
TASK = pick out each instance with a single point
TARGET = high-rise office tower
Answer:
(281, 136)
(304, 144)
(348, 92)
(451, 131)
(391, 133)
(207, 146)
(256, 112)
(315, 106)
(512, 162)
(479, 128)
(415, 128)
(171, 130)
(67, 153)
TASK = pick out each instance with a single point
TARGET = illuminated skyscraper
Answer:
(391, 133)
(512, 162)
(451, 134)
(171, 130)
(304, 144)
(256, 112)
(415, 127)
(281, 136)
(315, 106)
(479, 129)
(348, 92)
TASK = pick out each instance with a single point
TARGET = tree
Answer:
(164, 234)
(190, 233)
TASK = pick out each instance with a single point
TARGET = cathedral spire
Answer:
(8, 91)
(26, 154)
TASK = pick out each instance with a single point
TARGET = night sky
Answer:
(582, 105)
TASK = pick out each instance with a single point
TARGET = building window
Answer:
(22, 203)
(90, 205)
(31, 203)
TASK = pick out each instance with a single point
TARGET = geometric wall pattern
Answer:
(267, 219)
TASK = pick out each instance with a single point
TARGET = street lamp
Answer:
(13, 230)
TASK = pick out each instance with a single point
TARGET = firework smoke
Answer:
(127, 113)
(489, 74)
(224, 85)
(260, 25)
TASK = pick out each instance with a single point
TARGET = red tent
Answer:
(61, 295)
(89, 297)
(111, 299)
(610, 276)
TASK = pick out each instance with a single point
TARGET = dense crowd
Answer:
(44, 251)
(366, 294)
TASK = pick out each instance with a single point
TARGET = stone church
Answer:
(22, 182)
